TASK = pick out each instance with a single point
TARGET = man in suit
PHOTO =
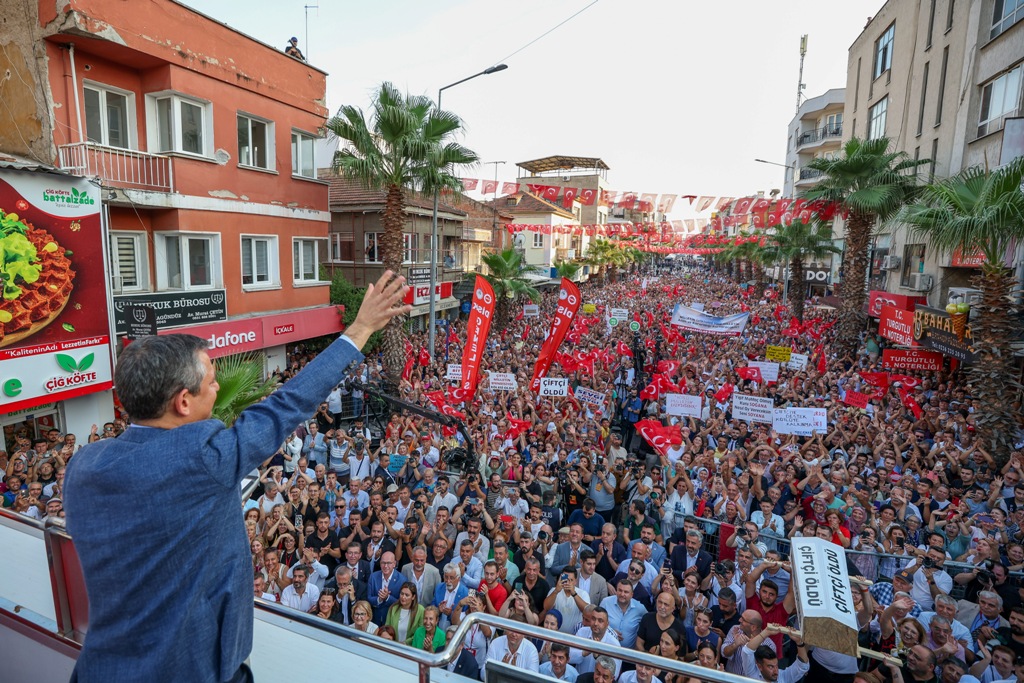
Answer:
(688, 557)
(425, 576)
(168, 385)
(448, 594)
(984, 616)
(568, 553)
(359, 568)
(349, 592)
(589, 580)
(376, 545)
(465, 664)
(382, 591)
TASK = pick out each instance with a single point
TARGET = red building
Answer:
(202, 139)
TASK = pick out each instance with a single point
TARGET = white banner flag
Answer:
(696, 321)
(800, 421)
(683, 405)
(769, 369)
(752, 408)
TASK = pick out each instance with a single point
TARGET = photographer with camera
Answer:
(930, 580)
(745, 536)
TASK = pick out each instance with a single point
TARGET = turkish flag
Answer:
(622, 348)
(723, 394)
(649, 393)
(516, 427)
(907, 399)
(551, 192)
(537, 189)
(569, 300)
(509, 188)
(753, 374)
(755, 319)
(489, 187)
(704, 203)
(587, 197)
(779, 313)
(647, 201)
(458, 395)
(742, 206)
(669, 367)
(469, 183)
(452, 337)
(407, 370)
(875, 379)
(436, 398)
(424, 357)
(520, 314)
(760, 204)
(654, 433)
(822, 361)
(569, 195)
(906, 380)
(666, 203)
(451, 412)
(526, 333)
(723, 202)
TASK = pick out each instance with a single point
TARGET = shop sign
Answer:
(173, 309)
(814, 276)
(53, 236)
(897, 324)
(975, 260)
(934, 329)
(911, 359)
(420, 293)
(878, 298)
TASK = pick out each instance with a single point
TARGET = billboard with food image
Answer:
(54, 325)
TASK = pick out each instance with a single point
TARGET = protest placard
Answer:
(589, 308)
(618, 313)
(800, 421)
(769, 369)
(856, 399)
(752, 408)
(683, 405)
(824, 599)
(585, 395)
(454, 371)
(780, 354)
(797, 361)
(552, 386)
(531, 311)
(503, 381)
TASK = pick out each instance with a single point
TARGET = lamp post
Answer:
(431, 318)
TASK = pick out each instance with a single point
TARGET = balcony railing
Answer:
(118, 167)
(809, 173)
(477, 234)
(819, 134)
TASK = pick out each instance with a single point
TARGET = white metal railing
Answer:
(119, 167)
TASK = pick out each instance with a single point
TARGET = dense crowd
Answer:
(574, 520)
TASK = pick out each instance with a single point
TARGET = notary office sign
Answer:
(173, 309)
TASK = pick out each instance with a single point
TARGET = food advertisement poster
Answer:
(54, 323)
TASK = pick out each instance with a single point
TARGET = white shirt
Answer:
(584, 661)
(303, 602)
(526, 656)
(791, 674)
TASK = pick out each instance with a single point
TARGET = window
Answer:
(876, 119)
(409, 247)
(187, 260)
(371, 245)
(1005, 13)
(343, 247)
(935, 154)
(128, 256)
(924, 98)
(834, 124)
(255, 142)
(259, 260)
(942, 85)
(303, 155)
(108, 116)
(949, 15)
(1000, 98)
(306, 254)
(538, 240)
(883, 51)
(856, 90)
(913, 262)
(931, 24)
(180, 125)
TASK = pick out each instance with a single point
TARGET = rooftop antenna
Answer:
(317, 8)
(800, 86)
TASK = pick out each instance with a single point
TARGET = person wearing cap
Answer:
(884, 593)
(292, 50)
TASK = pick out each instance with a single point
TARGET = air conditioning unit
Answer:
(891, 263)
(921, 282)
(963, 295)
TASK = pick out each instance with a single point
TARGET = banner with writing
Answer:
(800, 421)
(769, 369)
(752, 408)
(911, 359)
(697, 321)
(797, 361)
(897, 325)
(481, 312)
(585, 395)
(779, 354)
(503, 381)
(454, 371)
(553, 386)
(569, 301)
(856, 399)
(683, 405)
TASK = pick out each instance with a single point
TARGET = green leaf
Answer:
(66, 362)
(86, 362)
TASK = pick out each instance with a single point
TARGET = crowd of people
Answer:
(574, 521)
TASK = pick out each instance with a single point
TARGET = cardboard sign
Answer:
(797, 361)
(683, 405)
(589, 308)
(585, 395)
(897, 325)
(800, 421)
(531, 311)
(856, 399)
(824, 601)
(752, 408)
(911, 359)
(503, 381)
(550, 386)
(769, 369)
(454, 371)
(779, 354)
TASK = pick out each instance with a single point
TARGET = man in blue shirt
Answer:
(196, 622)
(624, 613)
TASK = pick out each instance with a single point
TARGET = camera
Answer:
(928, 563)
(985, 576)
(542, 535)
(721, 568)
(417, 505)
(742, 532)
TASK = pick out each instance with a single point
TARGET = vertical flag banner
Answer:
(480, 314)
(568, 305)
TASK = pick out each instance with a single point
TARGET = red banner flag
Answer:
(905, 380)
(654, 433)
(666, 203)
(587, 197)
(568, 305)
(526, 333)
(407, 370)
(424, 357)
(469, 183)
(489, 187)
(649, 393)
(822, 361)
(622, 348)
(908, 401)
(551, 192)
(509, 188)
(480, 314)
(856, 399)
(742, 206)
(753, 374)
(703, 203)
(569, 195)
(875, 379)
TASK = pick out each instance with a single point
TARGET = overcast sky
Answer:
(677, 96)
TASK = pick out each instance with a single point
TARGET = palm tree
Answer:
(606, 256)
(406, 146)
(241, 384)
(797, 244)
(507, 277)
(751, 249)
(981, 211)
(871, 184)
(567, 269)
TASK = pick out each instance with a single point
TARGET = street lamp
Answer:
(773, 163)
(431, 319)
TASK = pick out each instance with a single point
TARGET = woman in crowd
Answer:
(361, 614)
(691, 599)
(479, 635)
(428, 636)
(670, 646)
(326, 606)
(406, 615)
(701, 634)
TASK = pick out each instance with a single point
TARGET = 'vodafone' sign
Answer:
(228, 338)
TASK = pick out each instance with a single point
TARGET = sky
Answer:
(676, 96)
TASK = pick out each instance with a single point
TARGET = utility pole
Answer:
(305, 50)
(800, 86)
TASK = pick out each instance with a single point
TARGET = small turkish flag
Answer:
(551, 192)
(489, 187)
(649, 393)
(509, 188)
(469, 183)
(569, 195)
(623, 349)
(424, 357)
(753, 374)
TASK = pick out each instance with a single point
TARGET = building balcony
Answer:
(808, 176)
(477, 234)
(819, 136)
(118, 167)
(565, 254)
